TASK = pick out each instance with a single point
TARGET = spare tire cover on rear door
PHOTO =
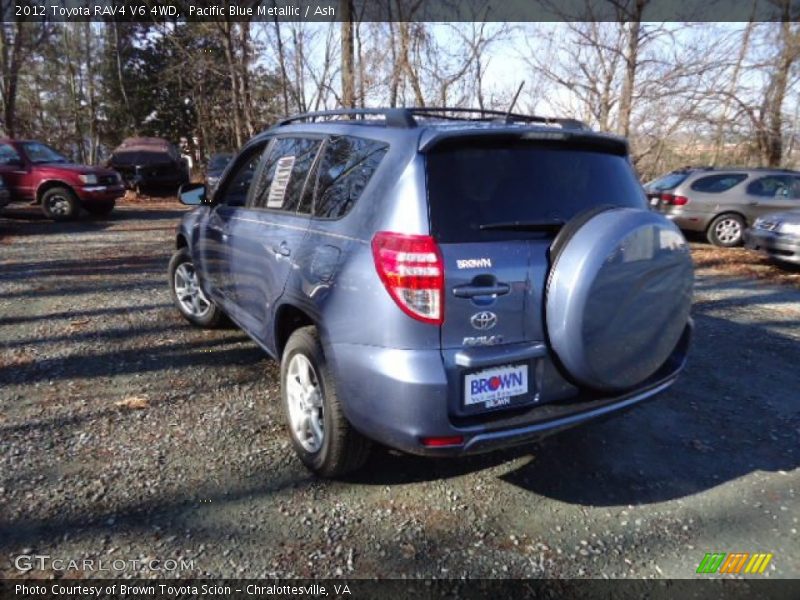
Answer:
(618, 297)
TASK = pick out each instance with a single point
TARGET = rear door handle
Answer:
(282, 249)
(470, 291)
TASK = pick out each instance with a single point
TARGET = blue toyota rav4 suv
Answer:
(440, 281)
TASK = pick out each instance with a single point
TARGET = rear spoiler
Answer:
(434, 138)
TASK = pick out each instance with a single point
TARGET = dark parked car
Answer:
(34, 172)
(440, 282)
(216, 165)
(150, 163)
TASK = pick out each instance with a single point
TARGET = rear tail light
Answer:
(674, 200)
(412, 270)
(438, 442)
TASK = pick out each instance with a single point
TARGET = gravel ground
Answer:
(128, 435)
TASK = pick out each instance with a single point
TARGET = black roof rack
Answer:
(395, 117)
(405, 117)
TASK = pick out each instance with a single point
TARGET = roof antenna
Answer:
(507, 118)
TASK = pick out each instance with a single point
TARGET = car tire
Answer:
(726, 231)
(322, 437)
(100, 209)
(189, 299)
(60, 204)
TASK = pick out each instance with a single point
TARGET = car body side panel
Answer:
(266, 247)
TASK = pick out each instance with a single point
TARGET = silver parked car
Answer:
(777, 235)
(723, 202)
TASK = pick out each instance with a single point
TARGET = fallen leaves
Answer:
(79, 323)
(133, 402)
(740, 262)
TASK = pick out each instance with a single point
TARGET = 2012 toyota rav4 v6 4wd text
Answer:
(440, 282)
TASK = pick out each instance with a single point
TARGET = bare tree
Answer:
(348, 55)
(18, 42)
(770, 134)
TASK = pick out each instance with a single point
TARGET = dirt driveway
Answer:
(127, 435)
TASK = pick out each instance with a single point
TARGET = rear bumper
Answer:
(778, 246)
(398, 397)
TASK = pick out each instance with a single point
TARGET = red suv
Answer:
(36, 173)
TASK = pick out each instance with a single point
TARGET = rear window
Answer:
(521, 182)
(715, 184)
(666, 182)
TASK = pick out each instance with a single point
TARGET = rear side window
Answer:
(667, 182)
(347, 165)
(525, 182)
(715, 184)
(282, 181)
(773, 186)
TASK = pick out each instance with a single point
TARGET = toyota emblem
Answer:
(483, 320)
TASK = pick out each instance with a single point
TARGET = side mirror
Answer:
(192, 194)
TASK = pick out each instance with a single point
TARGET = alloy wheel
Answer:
(728, 231)
(187, 289)
(305, 403)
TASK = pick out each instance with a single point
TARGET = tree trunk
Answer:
(225, 28)
(12, 61)
(719, 138)
(244, 77)
(120, 77)
(90, 91)
(74, 91)
(394, 80)
(348, 68)
(361, 96)
(631, 64)
(282, 64)
(790, 49)
(413, 77)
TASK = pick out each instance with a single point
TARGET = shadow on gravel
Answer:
(206, 353)
(21, 221)
(115, 265)
(733, 411)
(82, 314)
(119, 265)
(169, 512)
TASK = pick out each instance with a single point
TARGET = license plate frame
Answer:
(515, 376)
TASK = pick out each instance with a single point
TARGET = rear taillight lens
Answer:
(411, 269)
(674, 200)
(439, 442)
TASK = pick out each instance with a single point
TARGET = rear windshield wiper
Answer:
(548, 225)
